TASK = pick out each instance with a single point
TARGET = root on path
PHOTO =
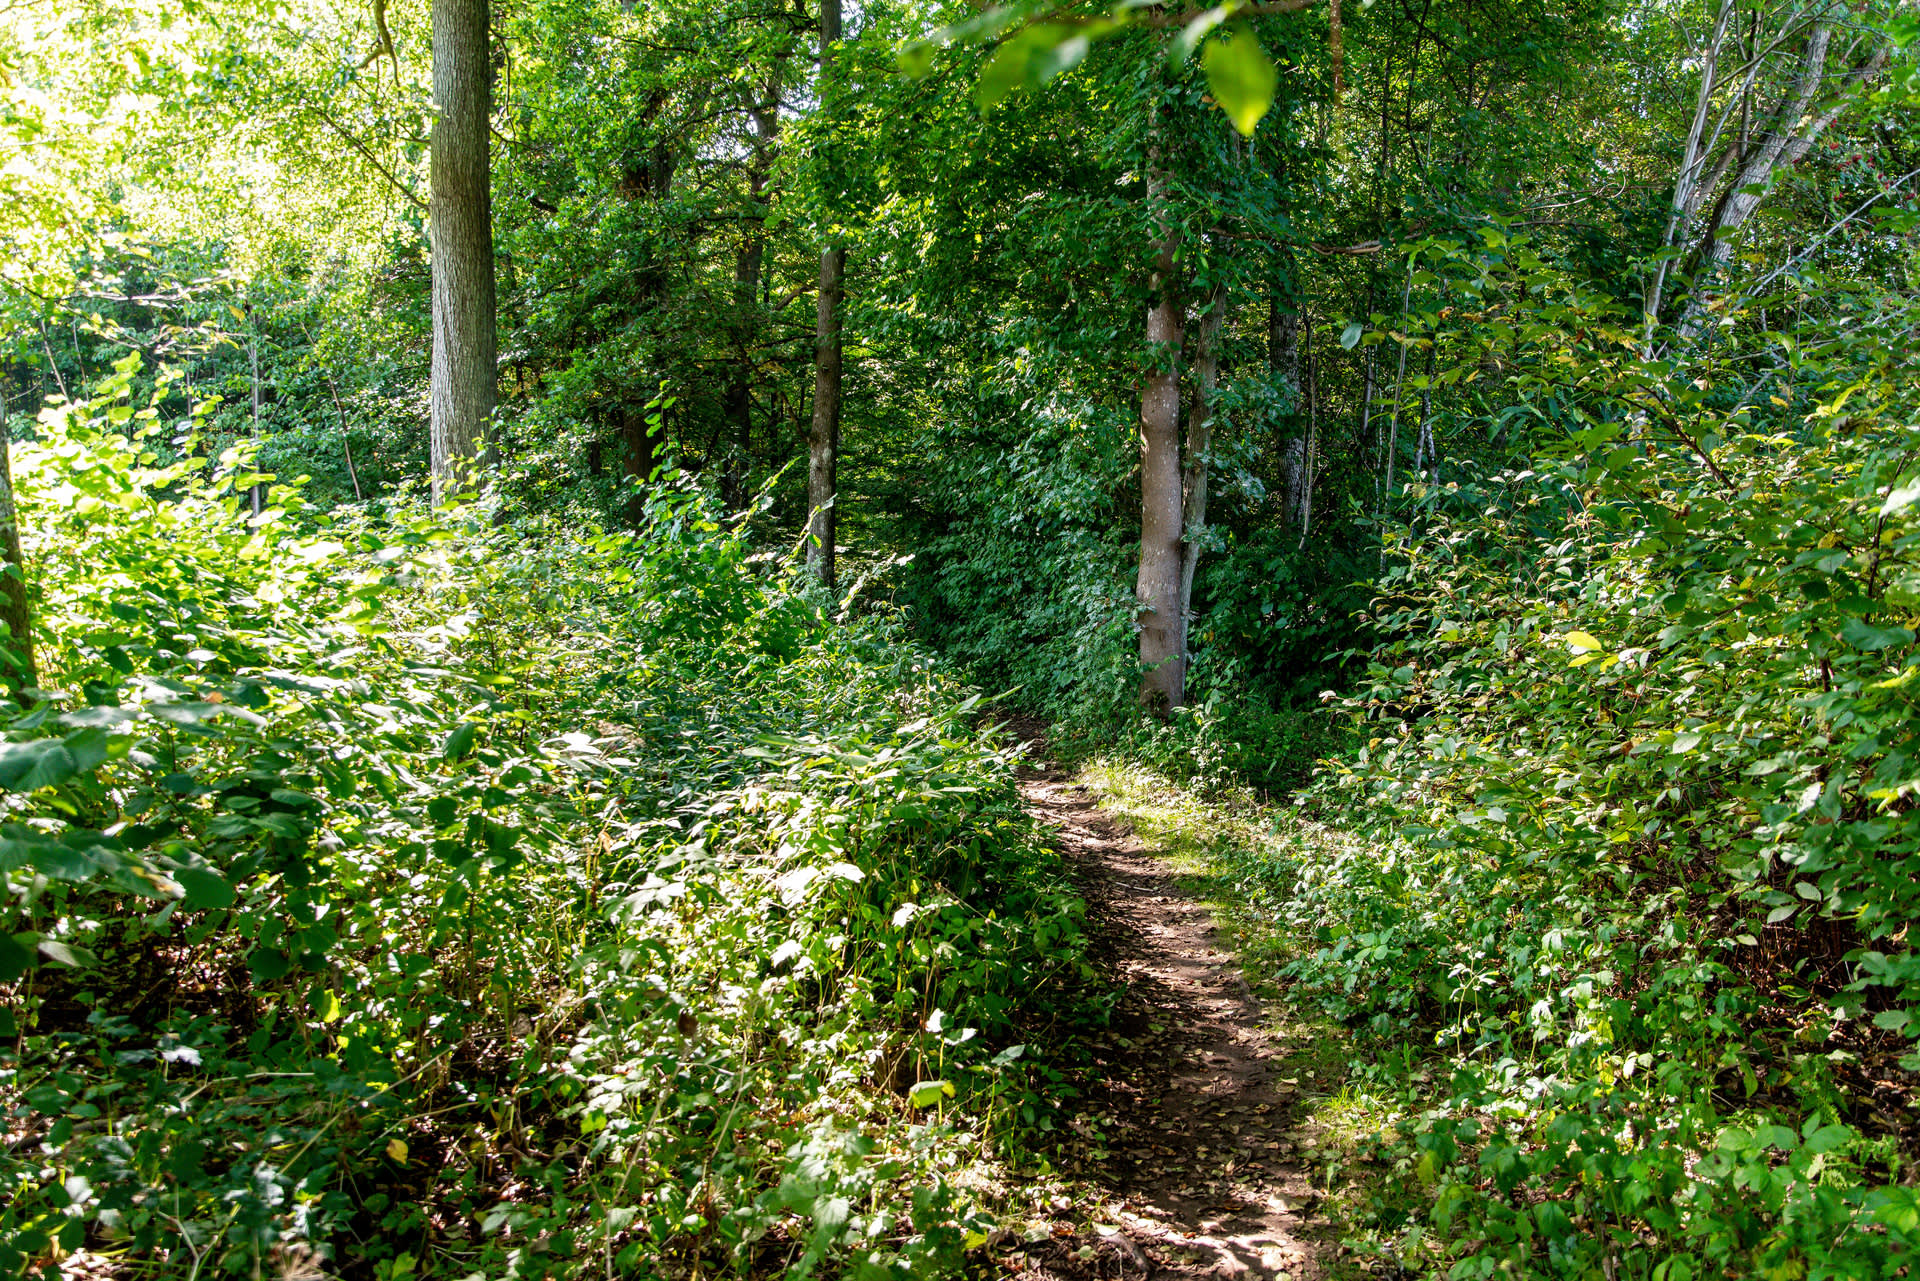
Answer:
(1196, 1112)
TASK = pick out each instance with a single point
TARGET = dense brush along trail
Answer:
(1196, 1180)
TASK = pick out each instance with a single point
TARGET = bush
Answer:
(434, 896)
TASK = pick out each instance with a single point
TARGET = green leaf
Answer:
(1864, 635)
(1350, 336)
(460, 742)
(915, 59)
(267, 964)
(1181, 47)
(1020, 62)
(67, 954)
(1241, 77)
(30, 766)
(204, 886)
(15, 957)
(927, 1093)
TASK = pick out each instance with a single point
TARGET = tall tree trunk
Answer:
(465, 344)
(257, 494)
(1399, 385)
(1796, 124)
(1193, 488)
(1685, 184)
(1283, 368)
(20, 674)
(746, 288)
(639, 453)
(1157, 591)
(1312, 389)
(823, 443)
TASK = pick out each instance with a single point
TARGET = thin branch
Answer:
(367, 154)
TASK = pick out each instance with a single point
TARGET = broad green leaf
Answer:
(1350, 336)
(15, 957)
(1181, 47)
(1241, 77)
(68, 954)
(1864, 635)
(42, 762)
(1017, 63)
(205, 887)
(460, 742)
(927, 1093)
(915, 59)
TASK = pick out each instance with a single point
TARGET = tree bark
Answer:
(1312, 389)
(1399, 385)
(1157, 590)
(1193, 488)
(823, 443)
(746, 288)
(1283, 368)
(1794, 127)
(639, 454)
(257, 493)
(15, 612)
(465, 343)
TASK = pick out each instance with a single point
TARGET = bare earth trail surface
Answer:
(1195, 1115)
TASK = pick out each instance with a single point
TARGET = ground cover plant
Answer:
(413, 896)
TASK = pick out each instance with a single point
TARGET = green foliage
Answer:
(1635, 742)
(440, 895)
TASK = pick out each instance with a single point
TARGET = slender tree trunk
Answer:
(1157, 591)
(465, 343)
(1691, 161)
(1283, 368)
(746, 288)
(1313, 437)
(733, 482)
(1399, 386)
(15, 612)
(257, 493)
(1794, 127)
(823, 443)
(1193, 488)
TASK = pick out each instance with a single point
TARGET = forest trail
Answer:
(1198, 1117)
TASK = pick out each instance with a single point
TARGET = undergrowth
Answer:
(407, 894)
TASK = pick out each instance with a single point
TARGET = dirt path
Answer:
(1196, 1115)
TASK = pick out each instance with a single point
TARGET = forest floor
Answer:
(1199, 1106)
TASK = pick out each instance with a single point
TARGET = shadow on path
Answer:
(1195, 1113)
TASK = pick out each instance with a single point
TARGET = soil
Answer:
(1196, 1111)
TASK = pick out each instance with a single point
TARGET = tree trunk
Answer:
(1399, 386)
(1312, 389)
(257, 493)
(21, 674)
(639, 453)
(746, 288)
(1791, 132)
(823, 443)
(1283, 368)
(1193, 488)
(1157, 591)
(465, 343)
